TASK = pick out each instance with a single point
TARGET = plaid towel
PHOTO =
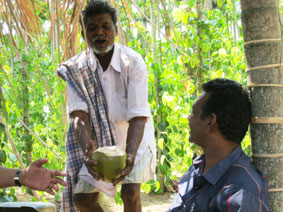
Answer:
(79, 74)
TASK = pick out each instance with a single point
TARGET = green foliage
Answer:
(204, 48)
(118, 198)
(57, 197)
(205, 39)
(7, 196)
(44, 110)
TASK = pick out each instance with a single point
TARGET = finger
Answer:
(58, 173)
(50, 191)
(91, 144)
(94, 174)
(127, 170)
(39, 162)
(90, 162)
(55, 187)
(89, 148)
(115, 182)
(56, 180)
(123, 173)
(130, 159)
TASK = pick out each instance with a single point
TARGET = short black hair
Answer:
(97, 7)
(231, 104)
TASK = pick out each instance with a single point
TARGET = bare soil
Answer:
(151, 202)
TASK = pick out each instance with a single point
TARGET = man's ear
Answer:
(116, 30)
(211, 125)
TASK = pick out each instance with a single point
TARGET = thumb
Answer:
(130, 159)
(40, 162)
(90, 148)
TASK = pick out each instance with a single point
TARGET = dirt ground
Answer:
(150, 202)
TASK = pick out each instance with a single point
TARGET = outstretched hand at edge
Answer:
(39, 178)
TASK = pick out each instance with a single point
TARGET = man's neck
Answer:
(105, 59)
(216, 153)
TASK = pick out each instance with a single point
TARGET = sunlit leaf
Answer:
(161, 143)
(192, 3)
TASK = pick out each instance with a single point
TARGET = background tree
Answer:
(263, 50)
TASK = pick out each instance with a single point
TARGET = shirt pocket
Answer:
(119, 108)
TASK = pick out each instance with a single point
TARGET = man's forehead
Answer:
(100, 18)
(201, 99)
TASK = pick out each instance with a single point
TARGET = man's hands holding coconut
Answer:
(129, 166)
(123, 163)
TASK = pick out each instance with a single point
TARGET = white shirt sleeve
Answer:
(138, 93)
(75, 103)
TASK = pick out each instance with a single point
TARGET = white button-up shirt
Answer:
(126, 91)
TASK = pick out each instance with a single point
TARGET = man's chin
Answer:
(101, 50)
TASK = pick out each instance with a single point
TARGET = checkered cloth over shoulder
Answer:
(77, 72)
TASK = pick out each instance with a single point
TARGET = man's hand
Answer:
(134, 138)
(90, 163)
(129, 166)
(175, 185)
(38, 178)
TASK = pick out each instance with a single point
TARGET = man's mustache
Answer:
(100, 37)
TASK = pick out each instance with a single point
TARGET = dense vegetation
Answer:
(184, 43)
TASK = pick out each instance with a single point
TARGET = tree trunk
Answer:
(156, 82)
(263, 51)
(25, 101)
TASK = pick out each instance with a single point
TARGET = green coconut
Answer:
(110, 162)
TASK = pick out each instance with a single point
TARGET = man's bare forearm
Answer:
(80, 120)
(135, 134)
(7, 177)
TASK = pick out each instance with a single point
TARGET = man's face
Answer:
(196, 124)
(100, 33)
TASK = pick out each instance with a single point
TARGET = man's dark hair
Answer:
(231, 104)
(97, 7)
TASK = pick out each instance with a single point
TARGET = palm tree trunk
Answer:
(263, 51)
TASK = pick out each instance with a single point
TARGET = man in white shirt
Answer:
(120, 111)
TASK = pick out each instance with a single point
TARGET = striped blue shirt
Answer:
(233, 184)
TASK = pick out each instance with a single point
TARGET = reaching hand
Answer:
(130, 164)
(38, 178)
(90, 163)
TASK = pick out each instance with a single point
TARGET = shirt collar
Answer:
(115, 60)
(218, 170)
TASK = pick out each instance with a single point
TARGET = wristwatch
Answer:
(17, 178)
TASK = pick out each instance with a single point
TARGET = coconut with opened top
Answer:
(111, 160)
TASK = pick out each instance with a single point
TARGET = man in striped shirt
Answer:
(223, 178)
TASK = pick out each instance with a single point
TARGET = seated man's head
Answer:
(99, 22)
(224, 105)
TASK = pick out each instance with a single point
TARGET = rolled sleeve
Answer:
(138, 94)
(75, 103)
